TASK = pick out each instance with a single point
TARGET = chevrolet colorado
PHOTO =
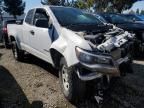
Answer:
(83, 48)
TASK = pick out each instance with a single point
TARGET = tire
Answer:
(17, 53)
(72, 87)
(5, 43)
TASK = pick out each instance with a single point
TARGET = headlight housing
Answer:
(90, 58)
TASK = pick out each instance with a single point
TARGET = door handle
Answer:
(32, 32)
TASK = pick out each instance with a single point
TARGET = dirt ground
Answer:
(35, 84)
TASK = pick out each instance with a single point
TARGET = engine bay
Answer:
(116, 41)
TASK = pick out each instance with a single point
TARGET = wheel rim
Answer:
(65, 78)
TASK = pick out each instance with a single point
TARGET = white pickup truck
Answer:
(78, 44)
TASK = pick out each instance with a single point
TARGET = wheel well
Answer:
(12, 38)
(56, 57)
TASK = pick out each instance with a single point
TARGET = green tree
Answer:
(44, 2)
(1, 18)
(142, 12)
(90, 3)
(84, 4)
(131, 12)
(80, 4)
(53, 2)
(101, 5)
(137, 11)
(121, 5)
(0, 6)
(113, 5)
(14, 7)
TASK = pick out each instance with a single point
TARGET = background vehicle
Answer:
(128, 25)
(83, 48)
(141, 17)
(4, 33)
(0, 30)
(100, 18)
(133, 18)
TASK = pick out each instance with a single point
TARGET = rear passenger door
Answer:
(27, 26)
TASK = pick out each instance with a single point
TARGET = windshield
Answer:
(72, 16)
(119, 19)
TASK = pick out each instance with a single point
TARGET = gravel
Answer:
(35, 84)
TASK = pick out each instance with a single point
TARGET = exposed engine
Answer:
(116, 41)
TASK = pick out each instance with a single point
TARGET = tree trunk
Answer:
(1, 17)
(67, 2)
(62, 2)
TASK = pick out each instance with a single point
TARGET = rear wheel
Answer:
(17, 53)
(5, 43)
(72, 87)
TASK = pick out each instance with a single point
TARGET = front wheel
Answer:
(72, 87)
(17, 53)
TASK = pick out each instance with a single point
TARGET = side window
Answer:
(42, 17)
(29, 16)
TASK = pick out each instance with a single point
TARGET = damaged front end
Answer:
(111, 52)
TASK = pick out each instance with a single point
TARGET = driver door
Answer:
(40, 39)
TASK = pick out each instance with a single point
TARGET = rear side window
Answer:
(29, 16)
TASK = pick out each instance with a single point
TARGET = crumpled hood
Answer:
(74, 38)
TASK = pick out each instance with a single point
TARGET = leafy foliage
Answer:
(99, 5)
(131, 12)
(84, 4)
(113, 5)
(80, 4)
(1, 10)
(0, 6)
(14, 7)
(142, 12)
(137, 11)
(90, 3)
(51, 2)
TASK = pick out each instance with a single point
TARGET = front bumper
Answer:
(99, 70)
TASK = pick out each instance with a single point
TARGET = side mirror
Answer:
(43, 23)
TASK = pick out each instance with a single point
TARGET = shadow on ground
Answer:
(30, 59)
(11, 94)
(1, 46)
(124, 92)
(128, 91)
(0, 55)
